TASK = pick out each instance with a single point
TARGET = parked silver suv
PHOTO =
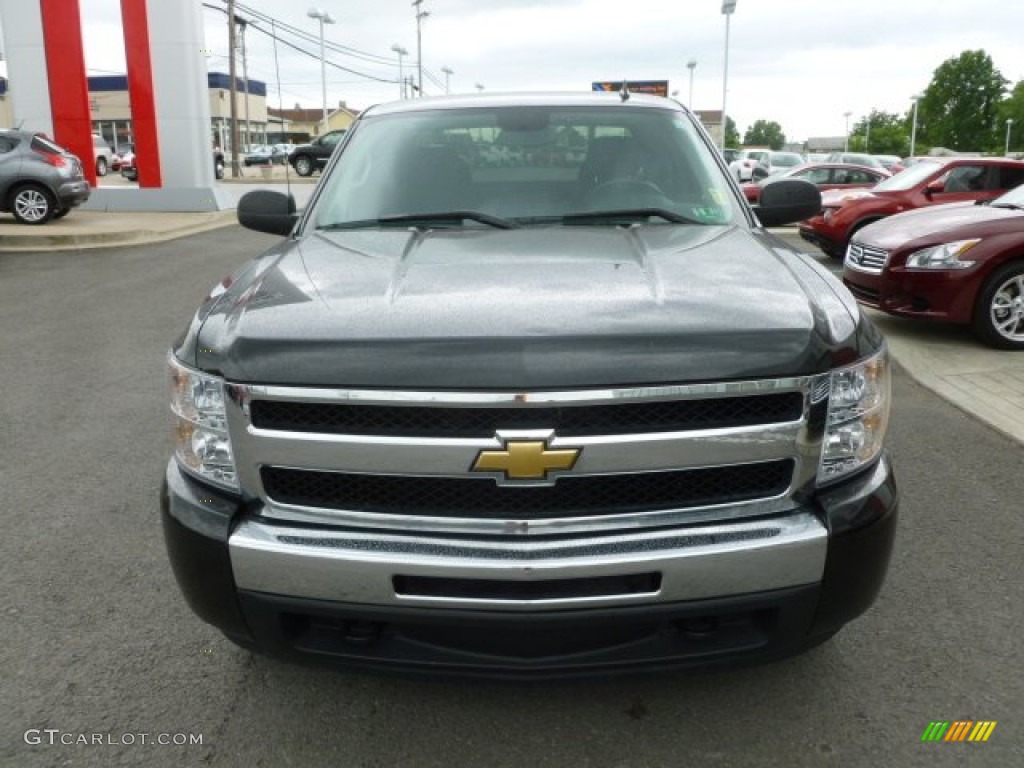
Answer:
(39, 180)
(104, 154)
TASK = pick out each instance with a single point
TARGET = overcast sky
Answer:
(802, 63)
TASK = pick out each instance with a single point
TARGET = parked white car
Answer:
(748, 159)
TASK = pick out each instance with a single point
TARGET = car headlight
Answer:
(858, 415)
(945, 256)
(200, 430)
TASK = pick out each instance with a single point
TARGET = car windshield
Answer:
(786, 159)
(908, 178)
(525, 166)
(1013, 198)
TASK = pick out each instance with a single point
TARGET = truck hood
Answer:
(940, 223)
(529, 308)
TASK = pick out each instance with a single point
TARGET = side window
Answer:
(6, 145)
(815, 175)
(966, 178)
(331, 139)
(1010, 177)
(857, 176)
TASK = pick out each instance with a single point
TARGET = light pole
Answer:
(867, 134)
(401, 79)
(448, 72)
(846, 139)
(728, 7)
(420, 16)
(324, 18)
(913, 125)
(691, 65)
(1009, 124)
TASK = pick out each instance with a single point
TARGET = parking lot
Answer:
(97, 640)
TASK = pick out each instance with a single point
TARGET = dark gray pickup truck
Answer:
(528, 390)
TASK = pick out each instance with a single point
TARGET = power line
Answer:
(259, 16)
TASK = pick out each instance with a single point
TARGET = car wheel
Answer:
(101, 166)
(32, 204)
(304, 165)
(61, 213)
(999, 309)
(218, 169)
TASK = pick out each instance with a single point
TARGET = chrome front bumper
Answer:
(697, 562)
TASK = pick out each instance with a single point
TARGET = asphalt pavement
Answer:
(98, 648)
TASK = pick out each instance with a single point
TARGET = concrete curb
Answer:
(100, 229)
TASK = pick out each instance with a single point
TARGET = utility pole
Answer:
(448, 72)
(232, 74)
(242, 24)
(420, 15)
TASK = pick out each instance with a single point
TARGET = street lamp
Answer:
(691, 65)
(913, 125)
(324, 18)
(1009, 124)
(448, 72)
(401, 80)
(846, 139)
(420, 15)
(728, 7)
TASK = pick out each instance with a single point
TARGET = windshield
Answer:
(786, 159)
(525, 166)
(1014, 197)
(908, 178)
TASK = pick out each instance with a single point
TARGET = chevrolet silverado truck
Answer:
(567, 415)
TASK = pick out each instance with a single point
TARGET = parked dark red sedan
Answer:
(824, 176)
(938, 180)
(959, 263)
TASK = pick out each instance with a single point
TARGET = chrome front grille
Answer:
(647, 457)
(583, 496)
(865, 258)
(598, 419)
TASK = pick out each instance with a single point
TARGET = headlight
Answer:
(858, 415)
(201, 442)
(945, 256)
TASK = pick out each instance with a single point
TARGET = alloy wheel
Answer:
(32, 206)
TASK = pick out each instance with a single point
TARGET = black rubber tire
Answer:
(304, 165)
(218, 169)
(101, 166)
(982, 319)
(32, 204)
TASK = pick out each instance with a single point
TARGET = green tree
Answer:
(732, 136)
(881, 133)
(765, 133)
(960, 106)
(1012, 108)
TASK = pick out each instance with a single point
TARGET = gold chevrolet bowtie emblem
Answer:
(526, 460)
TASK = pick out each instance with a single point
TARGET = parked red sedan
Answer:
(940, 180)
(824, 176)
(959, 263)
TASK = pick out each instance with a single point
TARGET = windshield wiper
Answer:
(629, 215)
(455, 217)
(1011, 206)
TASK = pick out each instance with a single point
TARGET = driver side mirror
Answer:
(787, 200)
(264, 210)
(934, 186)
